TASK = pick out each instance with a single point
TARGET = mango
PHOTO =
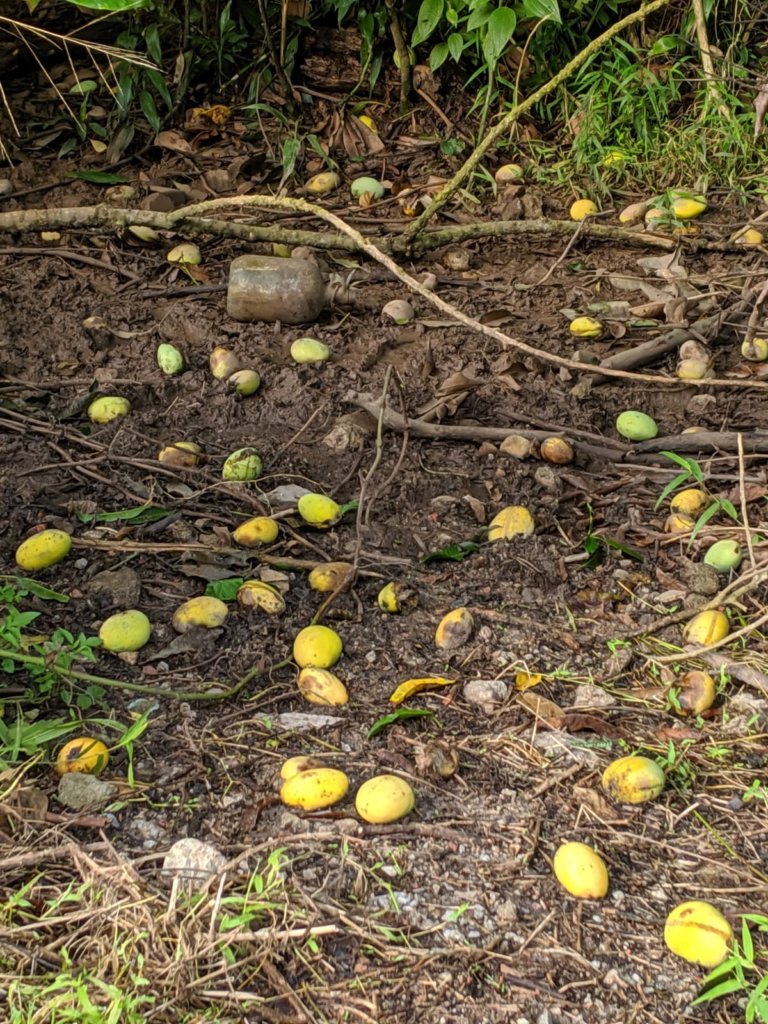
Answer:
(556, 450)
(686, 207)
(244, 382)
(314, 789)
(689, 502)
(317, 647)
(125, 631)
(255, 532)
(223, 362)
(707, 628)
(369, 123)
(695, 692)
(698, 932)
(330, 576)
(454, 629)
(242, 465)
(200, 613)
(724, 555)
(586, 327)
(318, 510)
(182, 454)
(750, 237)
(633, 780)
(169, 359)
(755, 351)
(323, 183)
(509, 174)
(185, 254)
(366, 186)
(299, 763)
(84, 754)
(383, 799)
(43, 549)
(319, 686)
(513, 521)
(309, 350)
(582, 208)
(679, 522)
(636, 426)
(581, 871)
(108, 408)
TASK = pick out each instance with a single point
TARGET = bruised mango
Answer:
(200, 613)
(707, 628)
(318, 510)
(108, 408)
(244, 382)
(242, 465)
(581, 871)
(258, 594)
(223, 362)
(299, 763)
(43, 549)
(454, 629)
(84, 754)
(755, 350)
(695, 692)
(689, 502)
(698, 932)
(556, 450)
(317, 646)
(678, 522)
(185, 254)
(633, 780)
(383, 799)
(309, 350)
(169, 359)
(319, 686)
(509, 174)
(323, 183)
(586, 327)
(314, 789)
(125, 631)
(513, 521)
(330, 576)
(182, 454)
(255, 532)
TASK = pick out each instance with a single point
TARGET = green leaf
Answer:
(225, 590)
(140, 514)
(158, 81)
(350, 506)
(452, 553)
(724, 988)
(147, 104)
(152, 40)
(537, 9)
(33, 587)
(98, 177)
(498, 31)
(728, 508)
(438, 55)
(85, 87)
(108, 5)
(430, 13)
(691, 466)
(397, 716)
(681, 478)
(703, 519)
(456, 45)
(480, 14)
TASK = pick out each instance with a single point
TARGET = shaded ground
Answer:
(451, 915)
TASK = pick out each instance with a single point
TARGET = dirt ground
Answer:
(451, 915)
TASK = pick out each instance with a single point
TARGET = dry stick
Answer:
(756, 312)
(743, 502)
(178, 218)
(698, 652)
(513, 115)
(707, 65)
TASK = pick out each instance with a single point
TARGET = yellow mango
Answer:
(43, 549)
(698, 932)
(330, 576)
(581, 871)
(200, 612)
(255, 532)
(84, 754)
(454, 629)
(707, 628)
(314, 789)
(317, 646)
(633, 780)
(125, 631)
(319, 686)
(383, 799)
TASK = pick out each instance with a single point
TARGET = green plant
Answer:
(693, 474)
(745, 972)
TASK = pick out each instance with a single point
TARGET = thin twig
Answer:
(743, 502)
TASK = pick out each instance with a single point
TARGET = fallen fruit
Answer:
(581, 871)
(244, 382)
(694, 692)
(383, 799)
(186, 253)
(296, 765)
(513, 521)
(556, 450)
(582, 208)
(633, 780)
(84, 754)
(388, 600)
(707, 628)
(586, 327)
(169, 359)
(633, 213)
(755, 351)
(184, 454)
(258, 594)
(454, 629)
(679, 522)
(690, 502)
(686, 207)
(694, 369)
(317, 647)
(323, 183)
(108, 408)
(656, 218)
(255, 532)
(223, 362)
(43, 549)
(750, 237)
(369, 123)
(125, 631)
(318, 510)
(314, 789)
(242, 465)
(200, 613)
(319, 686)
(636, 426)
(724, 555)
(329, 576)
(412, 686)
(399, 310)
(366, 186)
(309, 350)
(509, 174)
(698, 932)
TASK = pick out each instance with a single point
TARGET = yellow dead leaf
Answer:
(525, 680)
(411, 686)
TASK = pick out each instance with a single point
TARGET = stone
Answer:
(193, 861)
(82, 792)
(486, 694)
(119, 588)
(270, 288)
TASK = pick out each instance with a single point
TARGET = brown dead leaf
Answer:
(595, 801)
(546, 711)
(172, 140)
(477, 507)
